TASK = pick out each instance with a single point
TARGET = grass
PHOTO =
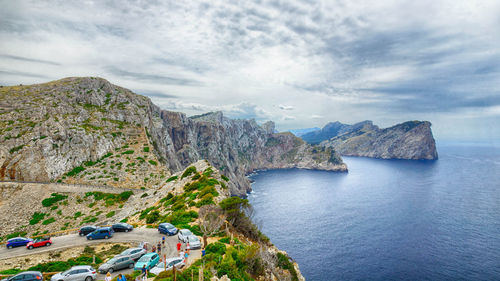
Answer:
(172, 178)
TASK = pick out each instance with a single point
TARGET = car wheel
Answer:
(110, 270)
(90, 238)
(131, 265)
(126, 230)
(30, 247)
(106, 237)
(9, 247)
(81, 234)
(88, 278)
(48, 244)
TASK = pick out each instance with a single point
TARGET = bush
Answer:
(189, 171)
(172, 178)
(154, 163)
(124, 196)
(110, 214)
(224, 177)
(146, 149)
(15, 149)
(181, 217)
(216, 248)
(16, 234)
(153, 217)
(48, 221)
(128, 152)
(75, 171)
(285, 263)
(54, 198)
(37, 217)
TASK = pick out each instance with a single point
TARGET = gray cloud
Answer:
(326, 60)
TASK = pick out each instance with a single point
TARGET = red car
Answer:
(46, 241)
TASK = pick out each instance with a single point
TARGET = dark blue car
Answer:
(101, 233)
(167, 228)
(18, 241)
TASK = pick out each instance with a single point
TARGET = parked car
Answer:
(26, 276)
(40, 242)
(178, 262)
(150, 260)
(76, 273)
(183, 235)
(122, 227)
(84, 230)
(134, 253)
(194, 242)
(116, 263)
(18, 241)
(101, 233)
(167, 228)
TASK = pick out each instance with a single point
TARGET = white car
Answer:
(183, 235)
(178, 262)
(194, 242)
(76, 273)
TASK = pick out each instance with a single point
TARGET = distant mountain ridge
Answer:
(300, 132)
(409, 140)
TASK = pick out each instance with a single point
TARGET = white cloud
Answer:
(285, 107)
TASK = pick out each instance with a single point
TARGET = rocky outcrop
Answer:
(88, 130)
(409, 140)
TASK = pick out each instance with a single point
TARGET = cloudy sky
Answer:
(300, 63)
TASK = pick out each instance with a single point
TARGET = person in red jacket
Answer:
(179, 247)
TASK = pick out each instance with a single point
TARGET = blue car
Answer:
(18, 241)
(149, 260)
(101, 233)
(167, 228)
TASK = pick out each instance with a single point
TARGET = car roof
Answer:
(17, 238)
(81, 267)
(149, 254)
(104, 227)
(30, 272)
(173, 259)
(184, 230)
(166, 223)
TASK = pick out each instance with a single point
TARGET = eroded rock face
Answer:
(46, 130)
(410, 140)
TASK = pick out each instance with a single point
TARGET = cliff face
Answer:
(87, 130)
(410, 140)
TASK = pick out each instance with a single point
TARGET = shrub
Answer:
(77, 215)
(75, 171)
(146, 149)
(153, 217)
(154, 163)
(224, 177)
(124, 196)
(48, 221)
(172, 178)
(285, 263)
(110, 214)
(216, 248)
(16, 234)
(15, 149)
(37, 217)
(54, 198)
(128, 152)
(145, 194)
(224, 240)
(189, 171)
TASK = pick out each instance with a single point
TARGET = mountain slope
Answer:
(86, 130)
(409, 140)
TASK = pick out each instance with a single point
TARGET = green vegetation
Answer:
(189, 171)
(53, 199)
(110, 198)
(224, 178)
(146, 149)
(128, 152)
(285, 263)
(75, 171)
(37, 217)
(154, 163)
(172, 178)
(17, 148)
(77, 215)
(110, 214)
(48, 221)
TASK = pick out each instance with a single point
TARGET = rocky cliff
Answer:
(409, 140)
(86, 130)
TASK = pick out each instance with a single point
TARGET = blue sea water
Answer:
(388, 219)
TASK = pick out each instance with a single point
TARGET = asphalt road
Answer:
(150, 235)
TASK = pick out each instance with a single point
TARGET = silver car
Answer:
(76, 273)
(134, 253)
(183, 235)
(116, 263)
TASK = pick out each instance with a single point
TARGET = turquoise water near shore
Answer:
(388, 219)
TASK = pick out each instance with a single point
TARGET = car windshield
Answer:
(66, 272)
(126, 252)
(193, 238)
(187, 232)
(144, 258)
(170, 227)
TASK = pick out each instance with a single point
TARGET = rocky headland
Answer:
(411, 140)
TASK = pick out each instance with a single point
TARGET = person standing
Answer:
(108, 277)
(154, 249)
(144, 273)
(159, 248)
(186, 255)
(163, 241)
(188, 247)
(121, 277)
(179, 247)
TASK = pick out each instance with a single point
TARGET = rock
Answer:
(47, 130)
(409, 140)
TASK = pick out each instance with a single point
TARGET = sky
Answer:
(299, 63)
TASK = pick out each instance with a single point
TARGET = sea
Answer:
(388, 219)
